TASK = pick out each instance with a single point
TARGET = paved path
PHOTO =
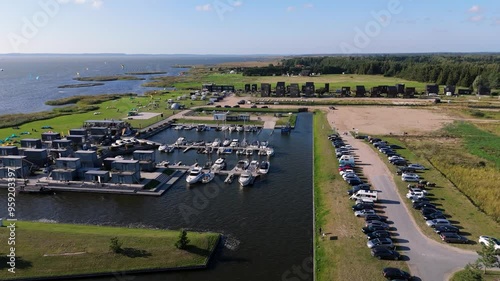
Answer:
(428, 259)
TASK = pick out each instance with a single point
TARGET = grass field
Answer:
(489, 276)
(40, 249)
(460, 209)
(346, 257)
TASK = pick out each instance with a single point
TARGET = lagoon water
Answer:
(268, 226)
(28, 81)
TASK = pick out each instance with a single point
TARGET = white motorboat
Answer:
(270, 151)
(232, 128)
(242, 165)
(162, 147)
(234, 143)
(224, 128)
(164, 163)
(188, 127)
(180, 141)
(239, 128)
(195, 175)
(245, 178)
(240, 152)
(219, 164)
(253, 166)
(262, 152)
(264, 167)
(226, 142)
(216, 143)
(208, 177)
(264, 144)
(179, 127)
(249, 152)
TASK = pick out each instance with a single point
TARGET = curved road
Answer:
(428, 259)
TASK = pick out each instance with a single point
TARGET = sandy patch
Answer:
(142, 116)
(387, 120)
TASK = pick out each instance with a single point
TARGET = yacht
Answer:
(166, 148)
(242, 165)
(245, 179)
(226, 142)
(179, 127)
(220, 164)
(208, 177)
(239, 128)
(234, 143)
(249, 152)
(180, 141)
(253, 166)
(224, 128)
(264, 167)
(232, 128)
(264, 144)
(216, 143)
(270, 151)
(195, 175)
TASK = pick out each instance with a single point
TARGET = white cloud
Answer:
(476, 18)
(97, 3)
(474, 9)
(308, 6)
(80, 1)
(237, 3)
(290, 9)
(204, 8)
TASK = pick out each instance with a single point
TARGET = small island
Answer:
(82, 85)
(109, 78)
(146, 73)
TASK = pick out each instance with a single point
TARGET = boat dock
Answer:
(205, 149)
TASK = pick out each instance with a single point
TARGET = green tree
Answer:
(183, 240)
(480, 81)
(115, 245)
(487, 256)
(472, 273)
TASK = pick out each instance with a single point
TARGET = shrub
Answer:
(183, 240)
(115, 245)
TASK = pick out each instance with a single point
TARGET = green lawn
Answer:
(489, 276)
(40, 248)
(346, 257)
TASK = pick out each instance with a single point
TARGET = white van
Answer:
(366, 195)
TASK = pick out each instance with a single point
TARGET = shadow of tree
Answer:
(197, 251)
(135, 253)
(20, 263)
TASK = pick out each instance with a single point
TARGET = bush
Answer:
(183, 240)
(115, 245)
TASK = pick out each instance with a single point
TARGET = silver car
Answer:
(380, 242)
(435, 222)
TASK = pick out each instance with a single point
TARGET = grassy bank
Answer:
(345, 257)
(46, 250)
(489, 276)
(454, 197)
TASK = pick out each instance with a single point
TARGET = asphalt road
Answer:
(427, 259)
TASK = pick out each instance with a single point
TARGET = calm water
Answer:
(27, 82)
(269, 225)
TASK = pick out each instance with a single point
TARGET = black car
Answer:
(420, 199)
(399, 162)
(385, 253)
(433, 216)
(372, 228)
(241, 102)
(227, 106)
(375, 218)
(378, 234)
(428, 211)
(420, 205)
(395, 273)
(362, 206)
(253, 106)
(358, 188)
(265, 106)
(453, 237)
(354, 181)
(446, 228)
(236, 106)
(218, 105)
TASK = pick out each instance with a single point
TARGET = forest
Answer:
(467, 70)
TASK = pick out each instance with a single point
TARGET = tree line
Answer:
(459, 70)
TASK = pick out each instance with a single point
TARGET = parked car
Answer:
(362, 206)
(371, 228)
(486, 240)
(264, 106)
(375, 217)
(253, 106)
(420, 200)
(227, 106)
(410, 177)
(392, 273)
(380, 242)
(377, 222)
(417, 190)
(411, 195)
(453, 237)
(354, 181)
(357, 188)
(429, 210)
(385, 253)
(364, 212)
(435, 222)
(420, 205)
(218, 105)
(236, 106)
(378, 234)
(416, 166)
(398, 162)
(436, 215)
(241, 102)
(446, 228)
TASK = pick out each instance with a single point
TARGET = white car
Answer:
(486, 240)
(415, 195)
(435, 222)
(363, 213)
(347, 171)
(417, 190)
(395, 157)
(416, 167)
(410, 178)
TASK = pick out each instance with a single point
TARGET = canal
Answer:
(268, 226)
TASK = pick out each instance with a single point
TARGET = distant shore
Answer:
(82, 85)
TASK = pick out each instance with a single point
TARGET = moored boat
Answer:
(195, 175)
(264, 167)
(208, 177)
(245, 178)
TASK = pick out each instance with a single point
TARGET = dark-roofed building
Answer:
(50, 136)
(254, 88)
(346, 91)
(31, 143)
(146, 159)
(294, 90)
(376, 92)
(309, 89)
(326, 89)
(280, 89)
(247, 88)
(126, 172)
(62, 144)
(483, 91)
(432, 89)
(392, 92)
(66, 169)
(409, 92)
(9, 150)
(360, 91)
(88, 158)
(217, 88)
(14, 164)
(464, 92)
(97, 176)
(449, 89)
(265, 90)
(401, 88)
(37, 156)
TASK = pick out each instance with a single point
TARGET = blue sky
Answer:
(249, 26)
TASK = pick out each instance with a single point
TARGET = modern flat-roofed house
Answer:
(14, 164)
(392, 92)
(88, 158)
(97, 176)
(265, 90)
(401, 88)
(146, 159)
(449, 89)
(50, 136)
(62, 144)
(360, 91)
(78, 132)
(9, 150)
(327, 88)
(294, 90)
(432, 89)
(346, 91)
(247, 88)
(384, 89)
(280, 89)
(464, 92)
(483, 91)
(37, 156)
(66, 169)
(254, 88)
(376, 92)
(309, 89)
(78, 140)
(409, 92)
(126, 172)
(211, 87)
(31, 143)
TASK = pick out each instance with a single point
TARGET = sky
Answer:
(280, 27)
